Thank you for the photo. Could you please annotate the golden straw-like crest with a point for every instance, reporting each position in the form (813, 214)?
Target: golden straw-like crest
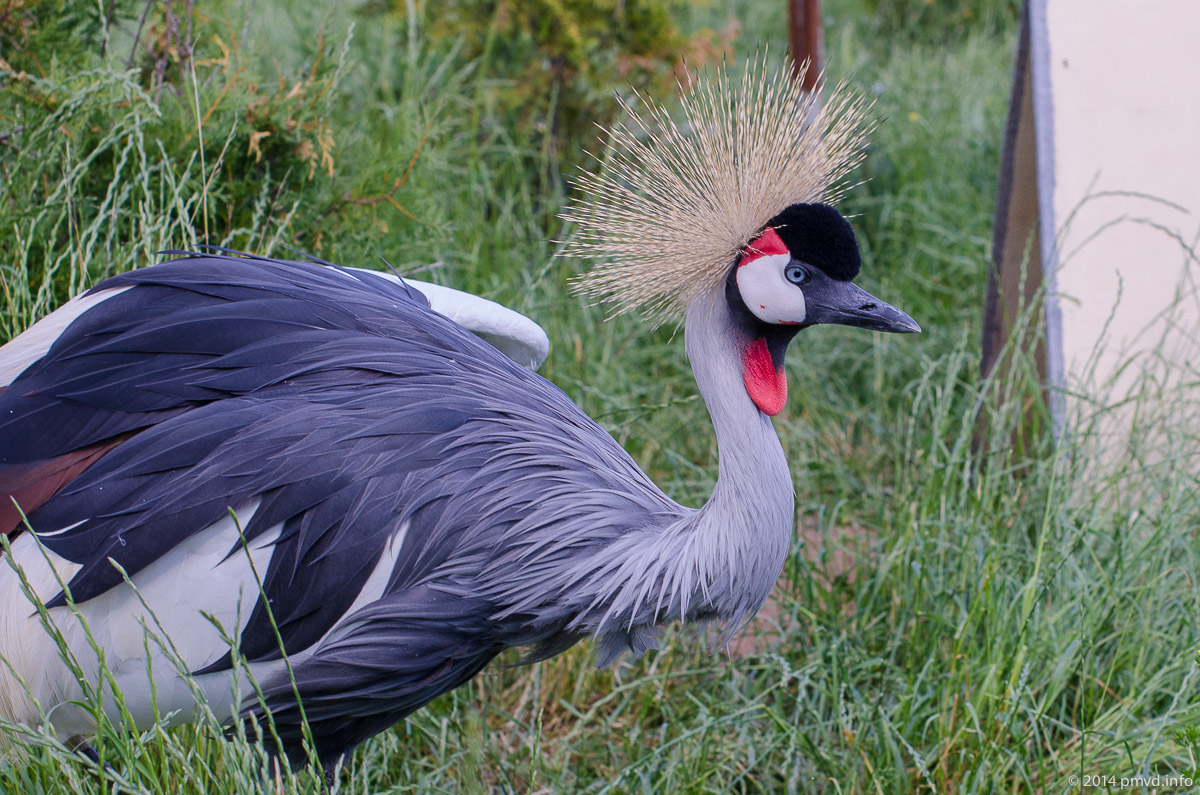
(677, 202)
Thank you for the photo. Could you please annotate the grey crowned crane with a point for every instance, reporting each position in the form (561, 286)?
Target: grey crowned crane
(413, 500)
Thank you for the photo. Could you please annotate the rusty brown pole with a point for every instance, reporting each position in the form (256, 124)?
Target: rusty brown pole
(804, 34)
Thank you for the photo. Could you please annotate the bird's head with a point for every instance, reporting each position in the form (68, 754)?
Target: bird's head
(733, 202)
(797, 273)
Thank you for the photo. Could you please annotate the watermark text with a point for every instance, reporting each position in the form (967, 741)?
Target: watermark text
(1158, 781)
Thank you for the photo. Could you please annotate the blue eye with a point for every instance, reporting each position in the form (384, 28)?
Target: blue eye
(795, 274)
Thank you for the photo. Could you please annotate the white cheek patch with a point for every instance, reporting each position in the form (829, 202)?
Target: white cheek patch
(768, 293)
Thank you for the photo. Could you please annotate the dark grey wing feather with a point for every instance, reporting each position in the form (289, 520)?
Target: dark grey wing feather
(391, 659)
(344, 408)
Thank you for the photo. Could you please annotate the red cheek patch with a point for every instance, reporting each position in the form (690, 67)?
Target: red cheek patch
(766, 386)
(765, 245)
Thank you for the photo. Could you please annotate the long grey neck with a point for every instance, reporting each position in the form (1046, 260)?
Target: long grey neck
(748, 522)
(720, 561)
(750, 459)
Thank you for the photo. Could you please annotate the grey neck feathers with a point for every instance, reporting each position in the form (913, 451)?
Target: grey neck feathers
(722, 560)
(748, 522)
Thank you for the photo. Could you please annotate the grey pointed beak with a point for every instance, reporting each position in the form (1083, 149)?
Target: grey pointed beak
(847, 304)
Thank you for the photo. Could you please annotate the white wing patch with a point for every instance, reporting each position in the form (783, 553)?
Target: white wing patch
(513, 334)
(176, 596)
(178, 599)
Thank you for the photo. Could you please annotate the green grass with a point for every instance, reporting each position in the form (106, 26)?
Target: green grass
(953, 621)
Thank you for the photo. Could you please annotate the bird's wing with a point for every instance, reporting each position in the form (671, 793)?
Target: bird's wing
(192, 332)
(516, 336)
(338, 405)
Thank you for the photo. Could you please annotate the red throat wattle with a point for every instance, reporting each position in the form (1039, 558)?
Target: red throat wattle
(766, 385)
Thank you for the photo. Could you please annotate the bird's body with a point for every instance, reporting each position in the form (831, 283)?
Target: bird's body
(383, 465)
(292, 457)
